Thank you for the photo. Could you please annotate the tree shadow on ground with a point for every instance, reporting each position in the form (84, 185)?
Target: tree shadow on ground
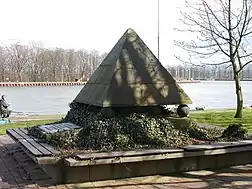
(234, 177)
(17, 169)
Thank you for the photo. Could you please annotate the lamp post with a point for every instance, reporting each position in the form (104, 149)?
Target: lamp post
(158, 30)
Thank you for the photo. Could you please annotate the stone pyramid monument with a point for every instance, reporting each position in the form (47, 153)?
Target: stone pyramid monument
(131, 76)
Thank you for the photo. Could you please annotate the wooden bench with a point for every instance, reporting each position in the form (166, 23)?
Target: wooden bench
(41, 153)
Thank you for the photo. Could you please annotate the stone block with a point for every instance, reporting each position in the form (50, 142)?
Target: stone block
(180, 122)
(125, 170)
(207, 162)
(55, 171)
(167, 166)
(232, 159)
(187, 164)
(101, 172)
(225, 160)
(76, 174)
(146, 168)
(243, 158)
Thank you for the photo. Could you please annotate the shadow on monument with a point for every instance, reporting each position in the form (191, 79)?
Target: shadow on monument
(143, 86)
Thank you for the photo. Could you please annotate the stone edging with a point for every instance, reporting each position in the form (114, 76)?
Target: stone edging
(190, 158)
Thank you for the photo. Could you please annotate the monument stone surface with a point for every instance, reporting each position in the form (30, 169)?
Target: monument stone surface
(131, 76)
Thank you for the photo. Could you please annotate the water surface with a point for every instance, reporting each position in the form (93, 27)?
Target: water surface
(55, 99)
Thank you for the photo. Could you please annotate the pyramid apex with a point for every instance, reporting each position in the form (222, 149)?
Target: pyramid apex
(130, 30)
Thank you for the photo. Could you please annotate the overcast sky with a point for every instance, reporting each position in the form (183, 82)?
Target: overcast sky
(89, 24)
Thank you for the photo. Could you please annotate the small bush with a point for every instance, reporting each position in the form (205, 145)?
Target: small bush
(234, 131)
(203, 133)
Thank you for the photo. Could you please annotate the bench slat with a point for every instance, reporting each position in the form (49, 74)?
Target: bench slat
(22, 132)
(13, 134)
(39, 147)
(49, 148)
(99, 155)
(34, 142)
(30, 148)
(25, 130)
(46, 146)
(18, 131)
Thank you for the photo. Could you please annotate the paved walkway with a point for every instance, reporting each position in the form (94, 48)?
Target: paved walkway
(20, 172)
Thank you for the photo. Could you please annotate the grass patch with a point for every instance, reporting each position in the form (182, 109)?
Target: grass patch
(223, 118)
(23, 124)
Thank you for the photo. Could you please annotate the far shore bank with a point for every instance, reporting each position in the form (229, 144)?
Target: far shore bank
(17, 118)
(31, 84)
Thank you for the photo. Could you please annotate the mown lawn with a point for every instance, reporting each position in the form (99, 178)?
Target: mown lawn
(213, 117)
(223, 118)
(4, 127)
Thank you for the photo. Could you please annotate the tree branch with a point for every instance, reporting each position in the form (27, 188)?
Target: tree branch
(243, 27)
(210, 25)
(214, 15)
(244, 65)
(202, 63)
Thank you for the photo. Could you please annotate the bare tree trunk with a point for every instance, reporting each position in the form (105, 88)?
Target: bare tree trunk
(20, 78)
(239, 96)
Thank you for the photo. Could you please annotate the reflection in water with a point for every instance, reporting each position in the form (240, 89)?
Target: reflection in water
(54, 100)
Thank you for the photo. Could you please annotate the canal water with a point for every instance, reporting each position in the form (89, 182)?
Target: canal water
(55, 99)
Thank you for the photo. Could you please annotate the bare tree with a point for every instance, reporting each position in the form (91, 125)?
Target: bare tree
(35, 63)
(69, 64)
(221, 29)
(19, 58)
(3, 63)
(94, 60)
(82, 61)
(56, 68)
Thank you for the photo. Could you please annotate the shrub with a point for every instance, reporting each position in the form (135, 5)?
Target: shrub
(120, 132)
(234, 131)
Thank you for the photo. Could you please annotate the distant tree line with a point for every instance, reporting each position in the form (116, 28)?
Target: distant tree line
(33, 63)
(221, 72)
